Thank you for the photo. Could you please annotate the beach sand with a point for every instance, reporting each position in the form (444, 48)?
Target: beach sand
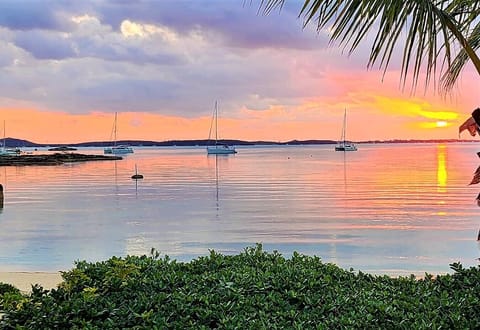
(24, 280)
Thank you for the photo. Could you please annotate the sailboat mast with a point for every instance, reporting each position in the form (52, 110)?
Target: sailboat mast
(216, 123)
(115, 130)
(344, 125)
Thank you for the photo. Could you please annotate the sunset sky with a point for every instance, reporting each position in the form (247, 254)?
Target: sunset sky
(68, 66)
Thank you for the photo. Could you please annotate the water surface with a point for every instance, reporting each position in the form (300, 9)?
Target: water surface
(387, 209)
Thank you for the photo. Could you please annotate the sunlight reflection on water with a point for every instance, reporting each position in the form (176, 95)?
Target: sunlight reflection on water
(387, 208)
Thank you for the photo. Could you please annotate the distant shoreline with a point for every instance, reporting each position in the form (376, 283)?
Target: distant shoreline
(19, 143)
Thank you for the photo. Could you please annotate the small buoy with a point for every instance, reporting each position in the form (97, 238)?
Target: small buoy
(136, 175)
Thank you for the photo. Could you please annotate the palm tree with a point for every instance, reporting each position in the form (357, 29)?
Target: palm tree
(434, 32)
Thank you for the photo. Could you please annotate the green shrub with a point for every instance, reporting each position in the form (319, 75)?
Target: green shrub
(9, 296)
(5, 287)
(253, 289)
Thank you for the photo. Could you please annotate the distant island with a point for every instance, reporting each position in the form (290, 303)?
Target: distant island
(13, 142)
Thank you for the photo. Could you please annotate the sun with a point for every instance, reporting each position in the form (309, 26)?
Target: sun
(441, 123)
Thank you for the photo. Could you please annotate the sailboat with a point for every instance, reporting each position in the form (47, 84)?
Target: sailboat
(218, 148)
(344, 145)
(4, 151)
(117, 149)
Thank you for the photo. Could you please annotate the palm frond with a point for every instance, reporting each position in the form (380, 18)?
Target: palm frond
(452, 73)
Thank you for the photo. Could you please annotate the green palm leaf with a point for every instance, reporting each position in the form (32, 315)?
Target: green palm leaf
(451, 75)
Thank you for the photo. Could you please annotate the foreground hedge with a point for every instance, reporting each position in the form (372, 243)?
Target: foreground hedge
(254, 289)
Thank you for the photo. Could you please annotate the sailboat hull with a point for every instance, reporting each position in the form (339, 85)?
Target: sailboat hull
(346, 147)
(118, 150)
(10, 151)
(221, 150)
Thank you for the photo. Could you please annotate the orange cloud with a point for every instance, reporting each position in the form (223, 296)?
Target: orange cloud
(414, 108)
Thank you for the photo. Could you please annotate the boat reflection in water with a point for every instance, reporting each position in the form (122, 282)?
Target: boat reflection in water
(220, 160)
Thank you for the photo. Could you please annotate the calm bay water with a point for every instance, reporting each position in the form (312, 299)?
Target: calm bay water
(393, 209)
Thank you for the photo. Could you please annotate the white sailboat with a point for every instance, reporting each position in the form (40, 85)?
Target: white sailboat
(117, 149)
(344, 145)
(4, 151)
(218, 148)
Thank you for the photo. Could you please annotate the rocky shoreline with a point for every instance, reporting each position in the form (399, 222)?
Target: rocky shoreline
(52, 159)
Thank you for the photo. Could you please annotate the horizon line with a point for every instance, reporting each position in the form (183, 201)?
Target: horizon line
(16, 142)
